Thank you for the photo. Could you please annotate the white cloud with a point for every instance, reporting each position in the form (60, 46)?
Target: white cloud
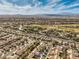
(70, 6)
(9, 8)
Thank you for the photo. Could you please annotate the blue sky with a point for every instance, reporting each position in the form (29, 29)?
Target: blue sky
(32, 7)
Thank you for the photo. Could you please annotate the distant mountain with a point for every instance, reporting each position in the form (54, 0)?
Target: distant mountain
(62, 14)
(56, 15)
(69, 14)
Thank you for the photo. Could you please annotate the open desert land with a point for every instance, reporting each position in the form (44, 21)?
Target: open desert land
(33, 37)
